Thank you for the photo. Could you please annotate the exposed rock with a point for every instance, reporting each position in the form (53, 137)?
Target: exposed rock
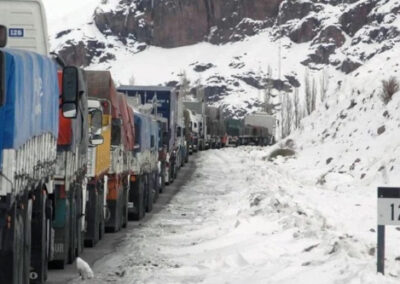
(183, 22)
(293, 81)
(306, 31)
(83, 53)
(321, 54)
(349, 66)
(381, 129)
(107, 57)
(63, 33)
(214, 93)
(294, 9)
(281, 152)
(331, 34)
(203, 67)
(382, 33)
(356, 17)
(261, 83)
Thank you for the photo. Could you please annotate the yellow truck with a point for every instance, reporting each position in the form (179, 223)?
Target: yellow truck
(99, 163)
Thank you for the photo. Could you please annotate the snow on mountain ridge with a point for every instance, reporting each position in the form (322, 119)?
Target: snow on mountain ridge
(323, 35)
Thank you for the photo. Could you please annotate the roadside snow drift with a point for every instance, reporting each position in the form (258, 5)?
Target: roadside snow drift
(245, 219)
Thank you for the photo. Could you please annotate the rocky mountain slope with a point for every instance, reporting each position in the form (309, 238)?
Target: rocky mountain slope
(235, 49)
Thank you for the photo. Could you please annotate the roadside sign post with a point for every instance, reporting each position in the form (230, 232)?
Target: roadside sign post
(388, 214)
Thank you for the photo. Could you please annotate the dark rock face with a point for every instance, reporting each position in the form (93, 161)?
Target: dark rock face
(82, 54)
(214, 93)
(183, 22)
(331, 34)
(306, 31)
(321, 54)
(349, 66)
(203, 67)
(355, 18)
(293, 9)
(75, 54)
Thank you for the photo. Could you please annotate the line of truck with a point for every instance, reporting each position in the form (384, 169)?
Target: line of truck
(80, 156)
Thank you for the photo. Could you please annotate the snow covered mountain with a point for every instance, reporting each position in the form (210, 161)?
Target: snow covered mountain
(227, 46)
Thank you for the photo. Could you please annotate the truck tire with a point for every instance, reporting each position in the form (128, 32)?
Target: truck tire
(92, 216)
(39, 254)
(125, 205)
(27, 240)
(72, 227)
(137, 195)
(162, 177)
(149, 193)
(20, 249)
(79, 217)
(156, 185)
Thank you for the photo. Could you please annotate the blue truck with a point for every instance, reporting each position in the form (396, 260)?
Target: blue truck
(167, 107)
(145, 166)
(29, 108)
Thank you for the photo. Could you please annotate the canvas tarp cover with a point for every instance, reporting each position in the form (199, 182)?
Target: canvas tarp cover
(31, 103)
(143, 131)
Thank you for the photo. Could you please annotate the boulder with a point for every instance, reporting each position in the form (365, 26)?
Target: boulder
(305, 31)
(353, 19)
(294, 9)
(331, 34)
(349, 66)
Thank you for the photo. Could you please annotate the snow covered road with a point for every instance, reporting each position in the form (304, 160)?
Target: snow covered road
(243, 219)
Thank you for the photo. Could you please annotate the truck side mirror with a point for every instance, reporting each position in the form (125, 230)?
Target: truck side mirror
(2, 79)
(70, 91)
(97, 120)
(3, 36)
(96, 140)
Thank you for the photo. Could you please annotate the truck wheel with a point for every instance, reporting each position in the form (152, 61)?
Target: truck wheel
(72, 226)
(150, 194)
(39, 254)
(162, 178)
(79, 217)
(19, 240)
(138, 198)
(125, 207)
(92, 215)
(27, 240)
(156, 186)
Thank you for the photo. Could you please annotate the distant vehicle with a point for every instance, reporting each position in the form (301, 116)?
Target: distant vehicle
(216, 127)
(259, 129)
(232, 141)
(145, 165)
(198, 123)
(166, 99)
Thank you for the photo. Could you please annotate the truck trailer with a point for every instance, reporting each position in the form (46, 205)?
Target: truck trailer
(166, 99)
(29, 121)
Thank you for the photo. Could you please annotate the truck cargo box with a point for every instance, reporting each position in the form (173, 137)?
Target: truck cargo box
(31, 99)
(127, 127)
(143, 131)
(166, 104)
(261, 119)
(26, 24)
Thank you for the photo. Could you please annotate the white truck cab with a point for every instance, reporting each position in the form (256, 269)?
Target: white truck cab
(26, 24)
